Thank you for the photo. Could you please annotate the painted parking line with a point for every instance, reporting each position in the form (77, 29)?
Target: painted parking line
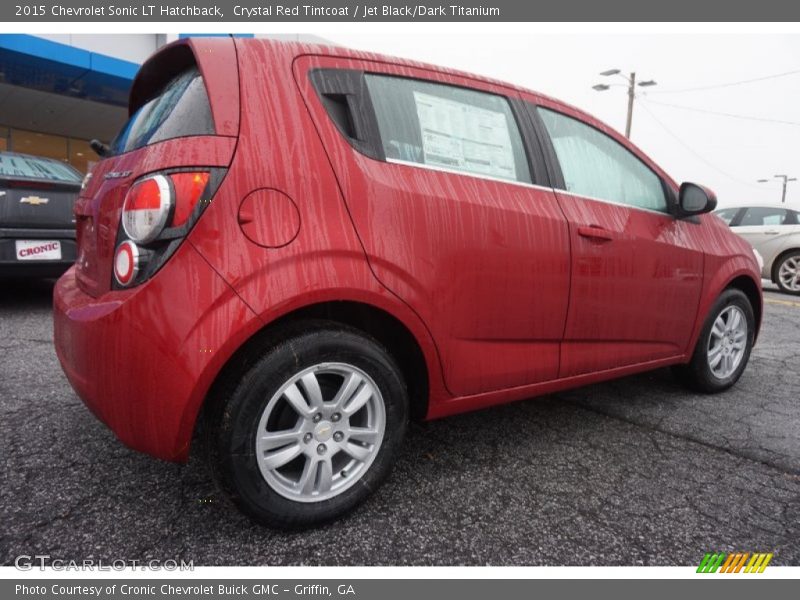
(782, 302)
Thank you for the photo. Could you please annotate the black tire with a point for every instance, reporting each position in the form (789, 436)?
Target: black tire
(795, 255)
(697, 375)
(234, 418)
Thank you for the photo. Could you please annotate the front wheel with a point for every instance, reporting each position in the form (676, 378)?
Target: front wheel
(788, 273)
(311, 429)
(724, 345)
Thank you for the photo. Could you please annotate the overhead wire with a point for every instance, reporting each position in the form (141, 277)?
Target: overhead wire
(728, 84)
(720, 113)
(693, 151)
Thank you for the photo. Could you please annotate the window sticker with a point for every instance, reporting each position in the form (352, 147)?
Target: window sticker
(465, 137)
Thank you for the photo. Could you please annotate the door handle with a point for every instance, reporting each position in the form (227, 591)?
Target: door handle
(772, 232)
(595, 232)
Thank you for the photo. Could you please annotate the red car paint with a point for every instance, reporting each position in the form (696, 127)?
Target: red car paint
(509, 290)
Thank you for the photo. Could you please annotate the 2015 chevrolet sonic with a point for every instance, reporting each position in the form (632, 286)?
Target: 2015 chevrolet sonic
(310, 246)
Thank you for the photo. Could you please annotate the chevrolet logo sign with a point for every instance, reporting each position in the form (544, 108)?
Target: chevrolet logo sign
(34, 200)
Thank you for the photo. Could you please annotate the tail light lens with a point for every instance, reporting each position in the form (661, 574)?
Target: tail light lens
(126, 263)
(158, 212)
(147, 209)
(189, 189)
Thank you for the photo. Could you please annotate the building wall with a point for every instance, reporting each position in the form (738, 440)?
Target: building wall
(58, 125)
(133, 47)
(136, 47)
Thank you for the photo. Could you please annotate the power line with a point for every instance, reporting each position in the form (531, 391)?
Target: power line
(729, 84)
(724, 114)
(693, 151)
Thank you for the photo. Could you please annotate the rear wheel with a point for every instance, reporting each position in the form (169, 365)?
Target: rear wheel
(724, 346)
(311, 429)
(787, 273)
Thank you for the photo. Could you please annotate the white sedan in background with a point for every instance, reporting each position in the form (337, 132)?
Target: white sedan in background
(774, 231)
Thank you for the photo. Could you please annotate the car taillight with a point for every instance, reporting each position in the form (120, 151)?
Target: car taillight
(147, 209)
(126, 263)
(161, 201)
(189, 188)
(157, 213)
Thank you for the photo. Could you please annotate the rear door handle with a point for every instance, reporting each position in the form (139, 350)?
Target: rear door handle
(595, 232)
(772, 232)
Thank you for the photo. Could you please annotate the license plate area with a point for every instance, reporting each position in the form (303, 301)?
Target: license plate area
(38, 249)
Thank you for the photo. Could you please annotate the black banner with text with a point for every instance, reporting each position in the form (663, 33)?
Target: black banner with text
(263, 11)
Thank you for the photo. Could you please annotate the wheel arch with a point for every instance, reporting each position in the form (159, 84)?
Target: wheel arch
(752, 290)
(739, 272)
(773, 271)
(389, 330)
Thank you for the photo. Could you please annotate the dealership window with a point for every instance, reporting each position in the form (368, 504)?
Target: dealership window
(595, 165)
(448, 127)
(73, 151)
(81, 156)
(39, 144)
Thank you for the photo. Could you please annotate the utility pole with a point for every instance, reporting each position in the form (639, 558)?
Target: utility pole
(785, 180)
(631, 85)
(631, 95)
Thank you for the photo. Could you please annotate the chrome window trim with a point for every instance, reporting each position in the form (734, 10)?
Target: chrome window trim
(664, 212)
(411, 163)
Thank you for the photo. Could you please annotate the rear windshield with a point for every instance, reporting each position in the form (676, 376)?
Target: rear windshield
(180, 109)
(14, 166)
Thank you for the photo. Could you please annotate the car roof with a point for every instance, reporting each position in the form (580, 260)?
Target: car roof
(295, 50)
(306, 48)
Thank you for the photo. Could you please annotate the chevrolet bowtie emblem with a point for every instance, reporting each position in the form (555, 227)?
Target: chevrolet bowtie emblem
(34, 200)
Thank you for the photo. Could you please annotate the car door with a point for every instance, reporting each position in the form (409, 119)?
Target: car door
(448, 206)
(766, 228)
(636, 271)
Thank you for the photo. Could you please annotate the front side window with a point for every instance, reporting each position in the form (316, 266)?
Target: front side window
(727, 214)
(595, 165)
(757, 216)
(448, 127)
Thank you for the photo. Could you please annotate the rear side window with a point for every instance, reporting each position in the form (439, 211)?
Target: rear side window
(179, 109)
(595, 165)
(448, 127)
(20, 166)
(763, 215)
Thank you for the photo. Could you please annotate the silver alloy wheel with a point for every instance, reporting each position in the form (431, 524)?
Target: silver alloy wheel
(789, 273)
(320, 432)
(727, 342)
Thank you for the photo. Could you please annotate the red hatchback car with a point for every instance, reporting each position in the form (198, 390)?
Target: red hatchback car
(309, 246)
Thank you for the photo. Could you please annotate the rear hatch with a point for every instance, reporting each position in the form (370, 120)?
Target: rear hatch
(183, 113)
(37, 193)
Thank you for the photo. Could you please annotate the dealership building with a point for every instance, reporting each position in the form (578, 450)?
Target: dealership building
(57, 92)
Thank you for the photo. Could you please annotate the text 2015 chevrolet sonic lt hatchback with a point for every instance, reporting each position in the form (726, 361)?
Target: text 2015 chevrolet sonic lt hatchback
(309, 246)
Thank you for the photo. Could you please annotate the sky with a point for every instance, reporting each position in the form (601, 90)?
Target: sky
(724, 153)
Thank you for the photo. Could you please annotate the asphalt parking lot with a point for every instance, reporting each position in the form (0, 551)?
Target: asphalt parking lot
(631, 472)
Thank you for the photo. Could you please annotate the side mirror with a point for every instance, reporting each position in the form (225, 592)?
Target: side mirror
(695, 199)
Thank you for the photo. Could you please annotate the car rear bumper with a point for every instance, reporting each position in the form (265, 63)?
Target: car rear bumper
(11, 266)
(143, 359)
